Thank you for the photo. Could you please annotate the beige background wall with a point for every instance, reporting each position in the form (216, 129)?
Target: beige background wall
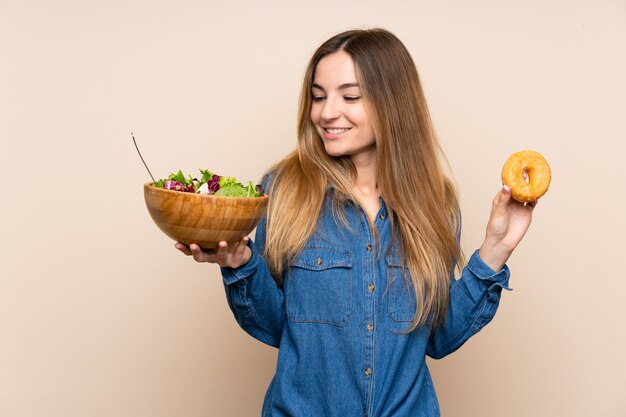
(101, 316)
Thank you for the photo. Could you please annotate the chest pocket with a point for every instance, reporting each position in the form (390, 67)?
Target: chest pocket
(318, 287)
(401, 298)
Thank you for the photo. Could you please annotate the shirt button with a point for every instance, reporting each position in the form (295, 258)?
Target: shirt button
(371, 287)
(370, 326)
(368, 372)
(318, 261)
(368, 248)
(382, 216)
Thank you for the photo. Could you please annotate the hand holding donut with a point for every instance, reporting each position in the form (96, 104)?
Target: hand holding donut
(526, 177)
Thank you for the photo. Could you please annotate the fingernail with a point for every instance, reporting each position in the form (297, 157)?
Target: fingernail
(506, 188)
(222, 244)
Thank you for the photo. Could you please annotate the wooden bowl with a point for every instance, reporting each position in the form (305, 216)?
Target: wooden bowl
(203, 219)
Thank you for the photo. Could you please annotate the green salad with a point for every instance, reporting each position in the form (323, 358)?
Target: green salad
(209, 183)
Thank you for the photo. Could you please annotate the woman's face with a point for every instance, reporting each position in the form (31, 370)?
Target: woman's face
(338, 112)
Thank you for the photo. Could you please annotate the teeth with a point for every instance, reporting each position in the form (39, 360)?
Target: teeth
(336, 131)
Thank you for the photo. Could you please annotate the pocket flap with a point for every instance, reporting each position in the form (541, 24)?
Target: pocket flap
(318, 258)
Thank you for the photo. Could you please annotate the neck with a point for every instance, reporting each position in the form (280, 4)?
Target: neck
(366, 173)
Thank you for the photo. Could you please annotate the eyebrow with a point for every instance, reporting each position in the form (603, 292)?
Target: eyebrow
(341, 87)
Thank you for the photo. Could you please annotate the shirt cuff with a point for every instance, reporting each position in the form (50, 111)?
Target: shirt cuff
(484, 273)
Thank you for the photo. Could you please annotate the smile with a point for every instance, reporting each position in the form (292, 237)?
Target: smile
(336, 130)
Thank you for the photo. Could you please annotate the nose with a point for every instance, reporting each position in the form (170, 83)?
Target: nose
(331, 109)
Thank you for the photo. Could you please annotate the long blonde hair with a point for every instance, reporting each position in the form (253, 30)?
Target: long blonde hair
(421, 199)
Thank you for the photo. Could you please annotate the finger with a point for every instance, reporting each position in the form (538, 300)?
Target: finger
(244, 242)
(195, 250)
(183, 248)
(501, 201)
(221, 255)
(200, 255)
(241, 248)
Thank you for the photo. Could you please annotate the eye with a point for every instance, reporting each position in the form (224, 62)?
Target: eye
(351, 98)
(317, 98)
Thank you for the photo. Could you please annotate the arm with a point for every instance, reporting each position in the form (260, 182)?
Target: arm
(252, 294)
(474, 298)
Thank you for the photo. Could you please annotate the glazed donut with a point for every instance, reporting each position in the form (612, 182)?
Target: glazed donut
(537, 179)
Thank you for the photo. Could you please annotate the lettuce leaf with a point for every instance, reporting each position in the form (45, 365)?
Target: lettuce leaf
(228, 181)
(206, 175)
(238, 190)
(179, 176)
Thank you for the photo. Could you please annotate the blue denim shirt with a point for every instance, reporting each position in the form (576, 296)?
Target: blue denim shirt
(337, 321)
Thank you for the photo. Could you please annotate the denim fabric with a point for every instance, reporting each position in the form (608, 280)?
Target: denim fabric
(337, 321)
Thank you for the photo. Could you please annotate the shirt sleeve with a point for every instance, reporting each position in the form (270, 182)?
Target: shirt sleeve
(253, 295)
(474, 299)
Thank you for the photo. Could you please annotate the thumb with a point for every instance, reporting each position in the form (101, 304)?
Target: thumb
(501, 201)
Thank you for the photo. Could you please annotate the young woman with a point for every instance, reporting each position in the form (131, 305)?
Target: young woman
(351, 274)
